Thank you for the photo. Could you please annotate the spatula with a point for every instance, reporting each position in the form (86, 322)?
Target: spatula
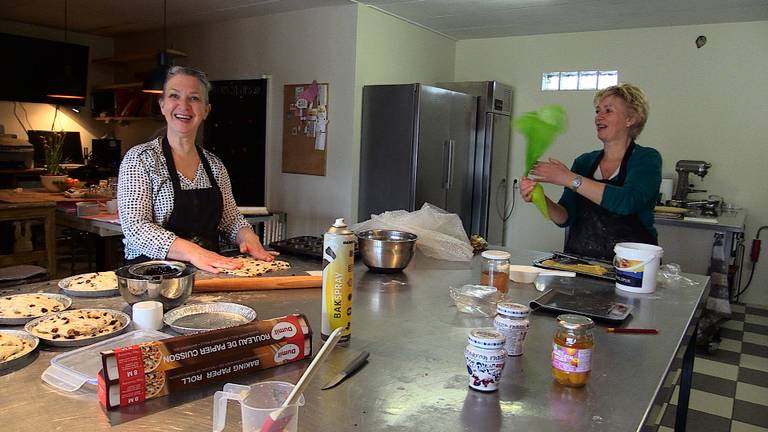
(279, 419)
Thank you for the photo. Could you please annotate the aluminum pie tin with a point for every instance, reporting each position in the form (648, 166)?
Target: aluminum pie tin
(124, 319)
(64, 286)
(21, 360)
(202, 317)
(61, 298)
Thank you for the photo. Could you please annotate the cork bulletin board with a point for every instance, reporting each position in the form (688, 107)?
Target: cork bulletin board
(305, 128)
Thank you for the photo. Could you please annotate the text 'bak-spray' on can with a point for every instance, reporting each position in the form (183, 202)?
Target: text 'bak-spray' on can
(338, 260)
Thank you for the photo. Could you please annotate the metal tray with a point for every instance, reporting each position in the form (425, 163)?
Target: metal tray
(9, 364)
(64, 286)
(201, 317)
(601, 305)
(61, 298)
(575, 259)
(124, 319)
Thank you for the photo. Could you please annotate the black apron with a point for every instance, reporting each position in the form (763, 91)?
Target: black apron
(196, 212)
(596, 229)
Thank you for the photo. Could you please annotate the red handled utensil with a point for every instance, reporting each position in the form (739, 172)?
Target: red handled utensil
(279, 418)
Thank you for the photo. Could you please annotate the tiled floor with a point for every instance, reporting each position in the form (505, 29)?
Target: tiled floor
(730, 386)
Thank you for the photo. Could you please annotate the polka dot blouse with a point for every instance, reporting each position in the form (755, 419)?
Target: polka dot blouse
(145, 200)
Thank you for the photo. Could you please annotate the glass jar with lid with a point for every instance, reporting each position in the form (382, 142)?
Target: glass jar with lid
(485, 357)
(572, 350)
(495, 269)
(512, 321)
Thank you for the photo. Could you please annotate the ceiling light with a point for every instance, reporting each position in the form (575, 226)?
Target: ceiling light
(156, 79)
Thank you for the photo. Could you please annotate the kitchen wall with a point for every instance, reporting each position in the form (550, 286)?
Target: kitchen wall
(291, 48)
(40, 116)
(392, 51)
(707, 104)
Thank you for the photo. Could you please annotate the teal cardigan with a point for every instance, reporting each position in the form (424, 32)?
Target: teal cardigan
(637, 196)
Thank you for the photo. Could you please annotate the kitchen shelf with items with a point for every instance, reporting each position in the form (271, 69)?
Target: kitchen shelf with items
(125, 101)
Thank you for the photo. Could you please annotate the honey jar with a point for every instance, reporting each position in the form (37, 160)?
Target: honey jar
(495, 269)
(572, 350)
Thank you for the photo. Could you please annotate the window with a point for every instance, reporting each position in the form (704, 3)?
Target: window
(578, 80)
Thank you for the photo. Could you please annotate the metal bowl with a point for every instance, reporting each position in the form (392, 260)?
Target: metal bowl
(171, 284)
(386, 251)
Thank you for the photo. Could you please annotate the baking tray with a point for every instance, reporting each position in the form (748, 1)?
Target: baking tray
(201, 317)
(70, 370)
(576, 259)
(64, 300)
(124, 319)
(64, 286)
(599, 304)
(33, 340)
(308, 246)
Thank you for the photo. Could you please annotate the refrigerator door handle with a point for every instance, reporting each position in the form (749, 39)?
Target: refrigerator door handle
(446, 163)
(449, 170)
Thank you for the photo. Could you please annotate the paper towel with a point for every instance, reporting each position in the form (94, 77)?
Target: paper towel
(665, 190)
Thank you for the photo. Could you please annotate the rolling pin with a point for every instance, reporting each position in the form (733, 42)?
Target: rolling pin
(257, 283)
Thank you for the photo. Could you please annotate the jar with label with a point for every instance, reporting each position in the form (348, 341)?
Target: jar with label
(495, 269)
(485, 357)
(572, 350)
(512, 321)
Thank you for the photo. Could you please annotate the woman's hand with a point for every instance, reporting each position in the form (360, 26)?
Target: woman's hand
(200, 257)
(526, 188)
(250, 244)
(552, 171)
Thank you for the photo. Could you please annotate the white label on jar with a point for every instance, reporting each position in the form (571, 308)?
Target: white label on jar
(484, 367)
(515, 331)
(571, 359)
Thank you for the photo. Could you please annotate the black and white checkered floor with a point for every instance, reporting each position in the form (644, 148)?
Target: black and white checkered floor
(730, 386)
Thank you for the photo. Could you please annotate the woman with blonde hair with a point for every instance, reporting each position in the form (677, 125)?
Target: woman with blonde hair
(610, 193)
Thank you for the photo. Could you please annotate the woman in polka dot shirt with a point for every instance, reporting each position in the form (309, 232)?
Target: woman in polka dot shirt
(174, 197)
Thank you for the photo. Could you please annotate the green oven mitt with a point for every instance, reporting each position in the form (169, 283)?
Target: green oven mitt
(540, 129)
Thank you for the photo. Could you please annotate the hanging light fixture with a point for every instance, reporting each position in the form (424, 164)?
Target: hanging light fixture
(65, 91)
(156, 79)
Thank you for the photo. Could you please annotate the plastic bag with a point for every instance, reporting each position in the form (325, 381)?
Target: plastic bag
(669, 276)
(478, 300)
(441, 234)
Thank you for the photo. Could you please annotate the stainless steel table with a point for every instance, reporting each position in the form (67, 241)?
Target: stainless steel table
(416, 378)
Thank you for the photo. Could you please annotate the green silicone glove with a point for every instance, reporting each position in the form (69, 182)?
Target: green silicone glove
(540, 129)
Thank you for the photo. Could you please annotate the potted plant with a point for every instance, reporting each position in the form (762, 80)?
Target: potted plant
(54, 180)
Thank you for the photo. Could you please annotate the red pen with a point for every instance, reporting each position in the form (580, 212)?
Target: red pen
(632, 330)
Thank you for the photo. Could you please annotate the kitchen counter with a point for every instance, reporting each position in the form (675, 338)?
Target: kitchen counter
(416, 377)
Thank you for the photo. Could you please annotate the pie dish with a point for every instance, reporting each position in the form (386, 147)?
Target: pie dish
(17, 309)
(98, 284)
(15, 347)
(78, 327)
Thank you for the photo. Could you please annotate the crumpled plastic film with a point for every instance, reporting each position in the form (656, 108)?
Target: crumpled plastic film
(440, 234)
(669, 276)
(477, 300)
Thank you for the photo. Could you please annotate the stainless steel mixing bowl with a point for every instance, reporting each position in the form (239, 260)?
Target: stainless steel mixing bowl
(169, 282)
(386, 251)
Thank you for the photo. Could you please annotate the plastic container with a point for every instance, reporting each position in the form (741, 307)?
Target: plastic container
(572, 350)
(485, 357)
(512, 321)
(495, 269)
(636, 266)
(69, 371)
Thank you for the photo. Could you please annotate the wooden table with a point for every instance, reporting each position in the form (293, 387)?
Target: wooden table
(45, 211)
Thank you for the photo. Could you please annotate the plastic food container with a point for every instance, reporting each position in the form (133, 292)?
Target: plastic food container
(69, 371)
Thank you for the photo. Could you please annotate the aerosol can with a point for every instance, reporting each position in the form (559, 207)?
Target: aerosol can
(338, 260)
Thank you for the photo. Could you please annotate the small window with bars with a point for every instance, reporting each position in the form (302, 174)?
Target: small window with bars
(578, 80)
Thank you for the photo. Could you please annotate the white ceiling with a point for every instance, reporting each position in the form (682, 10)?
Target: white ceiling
(459, 19)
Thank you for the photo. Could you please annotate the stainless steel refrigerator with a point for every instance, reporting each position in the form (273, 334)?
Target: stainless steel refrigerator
(417, 146)
(491, 164)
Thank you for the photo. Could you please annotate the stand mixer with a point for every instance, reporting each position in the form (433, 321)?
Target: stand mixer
(683, 168)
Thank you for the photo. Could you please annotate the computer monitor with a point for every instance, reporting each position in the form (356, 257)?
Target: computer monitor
(72, 153)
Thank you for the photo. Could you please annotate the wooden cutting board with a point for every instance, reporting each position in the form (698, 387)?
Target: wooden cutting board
(257, 283)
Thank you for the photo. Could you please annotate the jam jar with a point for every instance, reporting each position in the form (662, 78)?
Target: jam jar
(512, 321)
(572, 350)
(485, 357)
(495, 269)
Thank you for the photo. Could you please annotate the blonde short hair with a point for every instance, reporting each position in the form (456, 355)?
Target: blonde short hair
(635, 100)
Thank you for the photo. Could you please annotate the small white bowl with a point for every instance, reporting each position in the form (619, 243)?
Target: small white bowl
(523, 273)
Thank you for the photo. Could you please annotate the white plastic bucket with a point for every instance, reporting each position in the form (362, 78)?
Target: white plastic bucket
(636, 266)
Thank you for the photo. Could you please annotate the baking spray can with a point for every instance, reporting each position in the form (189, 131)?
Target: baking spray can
(338, 260)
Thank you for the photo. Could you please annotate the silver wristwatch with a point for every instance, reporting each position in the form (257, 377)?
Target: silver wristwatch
(576, 183)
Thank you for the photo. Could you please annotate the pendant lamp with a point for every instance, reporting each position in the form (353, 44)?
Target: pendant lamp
(64, 89)
(156, 79)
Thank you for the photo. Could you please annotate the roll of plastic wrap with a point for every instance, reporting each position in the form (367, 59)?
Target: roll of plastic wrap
(665, 189)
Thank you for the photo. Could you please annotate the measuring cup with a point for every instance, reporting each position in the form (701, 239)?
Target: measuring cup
(256, 403)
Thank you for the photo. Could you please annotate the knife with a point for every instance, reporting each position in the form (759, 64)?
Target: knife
(353, 366)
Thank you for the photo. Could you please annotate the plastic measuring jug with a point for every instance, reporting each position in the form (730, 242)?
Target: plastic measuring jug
(256, 403)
